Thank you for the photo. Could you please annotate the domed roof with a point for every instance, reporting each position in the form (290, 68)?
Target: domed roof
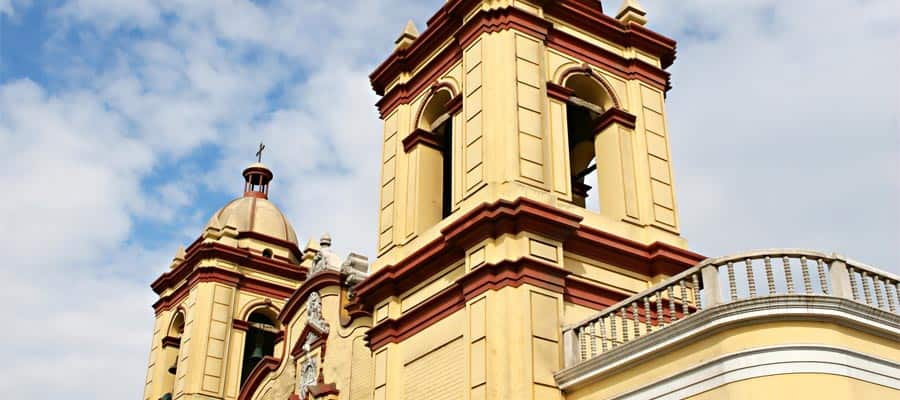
(254, 214)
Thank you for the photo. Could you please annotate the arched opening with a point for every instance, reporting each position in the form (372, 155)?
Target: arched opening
(171, 345)
(267, 253)
(588, 102)
(259, 341)
(437, 119)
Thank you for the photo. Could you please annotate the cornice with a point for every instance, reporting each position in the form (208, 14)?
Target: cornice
(423, 137)
(614, 116)
(200, 251)
(227, 277)
(492, 220)
(490, 277)
(448, 24)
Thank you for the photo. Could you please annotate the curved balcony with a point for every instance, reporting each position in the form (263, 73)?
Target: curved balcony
(721, 293)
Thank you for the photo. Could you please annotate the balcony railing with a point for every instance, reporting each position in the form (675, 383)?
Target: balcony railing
(724, 280)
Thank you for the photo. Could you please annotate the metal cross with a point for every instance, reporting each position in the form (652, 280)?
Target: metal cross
(259, 152)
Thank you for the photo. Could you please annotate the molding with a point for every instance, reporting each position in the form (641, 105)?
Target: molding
(797, 307)
(322, 390)
(227, 277)
(423, 137)
(265, 366)
(321, 341)
(768, 361)
(585, 69)
(614, 116)
(171, 341)
(490, 277)
(448, 23)
(492, 220)
(240, 325)
(201, 251)
(559, 92)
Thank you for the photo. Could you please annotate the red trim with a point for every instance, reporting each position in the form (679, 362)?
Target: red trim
(585, 69)
(423, 137)
(558, 92)
(297, 350)
(614, 116)
(243, 257)
(323, 389)
(316, 282)
(455, 104)
(265, 366)
(240, 325)
(447, 23)
(491, 277)
(231, 278)
(171, 341)
(502, 217)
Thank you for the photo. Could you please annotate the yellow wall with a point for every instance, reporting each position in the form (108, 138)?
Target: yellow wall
(798, 386)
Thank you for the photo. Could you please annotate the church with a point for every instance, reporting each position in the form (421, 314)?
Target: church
(528, 248)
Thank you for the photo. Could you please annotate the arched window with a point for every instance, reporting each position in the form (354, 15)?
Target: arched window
(171, 344)
(437, 119)
(259, 341)
(588, 102)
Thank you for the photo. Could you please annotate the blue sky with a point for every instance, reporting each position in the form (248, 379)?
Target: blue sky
(125, 124)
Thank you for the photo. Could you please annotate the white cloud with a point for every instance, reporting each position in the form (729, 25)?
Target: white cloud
(784, 130)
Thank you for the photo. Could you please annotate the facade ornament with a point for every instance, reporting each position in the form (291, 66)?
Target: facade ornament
(314, 312)
(308, 376)
(632, 11)
(325, 258)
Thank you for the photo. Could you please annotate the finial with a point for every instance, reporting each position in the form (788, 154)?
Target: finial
(631, 11)
(259, 152)
(325, 241)
(407, 37)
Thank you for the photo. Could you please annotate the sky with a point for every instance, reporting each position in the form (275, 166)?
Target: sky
(125, 124)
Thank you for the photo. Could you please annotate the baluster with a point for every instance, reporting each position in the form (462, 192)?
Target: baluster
(602, 335)
(865, 286)
(624, 312)
(582, 343)
(659, 310)
(853, 280)
(732, 284)
(593, 339)
(770, 277)
(751, 282)
(647, 323)
(637, 320)
(684, 299)
(892, 298)
(613, 337)
(672, 316)
(696, 281)
(807, 283)
(876, 282)
(788, 275)
(823, 281)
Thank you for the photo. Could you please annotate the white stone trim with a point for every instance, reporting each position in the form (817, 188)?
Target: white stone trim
(728, 316)
(777, 360)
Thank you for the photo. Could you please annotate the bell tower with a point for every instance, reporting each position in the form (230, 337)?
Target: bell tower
(526, 183)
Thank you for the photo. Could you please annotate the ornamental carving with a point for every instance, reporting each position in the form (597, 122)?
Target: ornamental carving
(308, 376)
(314, 312)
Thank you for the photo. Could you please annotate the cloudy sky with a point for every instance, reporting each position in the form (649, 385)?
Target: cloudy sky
(125, 124)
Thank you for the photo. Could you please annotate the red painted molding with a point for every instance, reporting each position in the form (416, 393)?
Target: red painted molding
(614, 116)
(319, 280)
(558, 92)
(502, 217)
(448, 23)
(491, 277)
(423, 137)
(455, 104)
(243, 257)
(298, 351)
(266, 366)
(240, 325)
(230, 278)
(323, 389)
(171, 341)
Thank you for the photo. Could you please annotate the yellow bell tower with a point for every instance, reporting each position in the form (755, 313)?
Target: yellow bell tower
(526, 183)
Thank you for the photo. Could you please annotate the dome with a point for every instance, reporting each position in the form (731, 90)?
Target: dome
(254, 214)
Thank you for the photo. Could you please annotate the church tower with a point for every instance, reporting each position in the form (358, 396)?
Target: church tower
(216, 317)
(526, 183)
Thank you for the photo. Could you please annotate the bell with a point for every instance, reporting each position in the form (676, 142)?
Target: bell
(174, 367)
(257, 353)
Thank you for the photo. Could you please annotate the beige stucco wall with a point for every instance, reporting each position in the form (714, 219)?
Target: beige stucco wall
(798, 386)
